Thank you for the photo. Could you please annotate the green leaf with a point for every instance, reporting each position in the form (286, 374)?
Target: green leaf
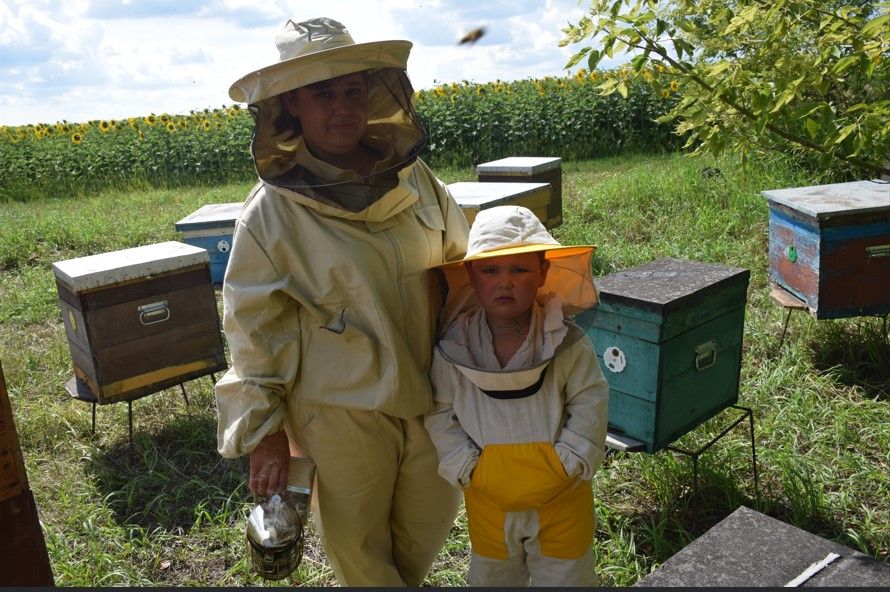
(812, 127)
(639, 61)
(786, 96)
(845, 63)
(622, 89)
(608, 87)
(593, 59)
(844, 132)
(876, 26)
(578, 56)
(685, 24)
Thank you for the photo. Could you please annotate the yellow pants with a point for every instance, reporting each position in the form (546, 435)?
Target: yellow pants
(383, 510)
(529, 522)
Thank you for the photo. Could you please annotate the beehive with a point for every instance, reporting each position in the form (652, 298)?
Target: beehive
(211, 227)
(529, 169)
(24, 560)
(668, 335)
(829, 245)
(140, 320)
(473, 197)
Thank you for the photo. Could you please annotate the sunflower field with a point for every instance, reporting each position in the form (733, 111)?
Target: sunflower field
(467, 123)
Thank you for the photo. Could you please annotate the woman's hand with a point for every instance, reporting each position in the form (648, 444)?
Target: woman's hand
(268, 464)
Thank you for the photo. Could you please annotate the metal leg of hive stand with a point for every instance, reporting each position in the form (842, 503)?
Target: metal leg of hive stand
(695, 454)
(212, 384)
(784, 329)
(184, 396)
(93, 430)
(130, 424)
(753, 453)
(789, 301)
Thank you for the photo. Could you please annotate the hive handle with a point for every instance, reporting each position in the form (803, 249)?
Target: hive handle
(705, 355)
(154, 313)
(878, 251)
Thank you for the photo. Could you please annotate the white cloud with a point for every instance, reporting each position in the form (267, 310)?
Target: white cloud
(99, 59)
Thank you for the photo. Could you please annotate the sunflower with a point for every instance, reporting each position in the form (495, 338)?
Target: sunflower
(594, 76)
(647, 75)
(205, 125)
(104, 126)
(171, 127)
(665, 93)
(76, 138)
(150, 119)
(675, 85)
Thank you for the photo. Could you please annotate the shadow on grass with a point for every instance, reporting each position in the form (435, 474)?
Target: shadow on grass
(856, 353)
(662, 531)
(174, 479)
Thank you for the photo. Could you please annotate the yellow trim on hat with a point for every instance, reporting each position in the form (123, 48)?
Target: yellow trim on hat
(550, 252)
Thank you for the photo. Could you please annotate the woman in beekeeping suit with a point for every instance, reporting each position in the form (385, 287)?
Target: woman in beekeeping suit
(328, 308)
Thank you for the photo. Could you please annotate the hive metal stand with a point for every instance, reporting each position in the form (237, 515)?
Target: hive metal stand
(621, 442)
(695, 454)
(790, 302)
(79, 390)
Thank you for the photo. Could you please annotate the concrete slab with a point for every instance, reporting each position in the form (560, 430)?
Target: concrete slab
(748, 549)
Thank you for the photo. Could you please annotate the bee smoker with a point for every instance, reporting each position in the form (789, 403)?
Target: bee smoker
(275, 526)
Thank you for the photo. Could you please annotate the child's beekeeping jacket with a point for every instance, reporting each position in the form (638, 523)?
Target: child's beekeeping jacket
(525, 437)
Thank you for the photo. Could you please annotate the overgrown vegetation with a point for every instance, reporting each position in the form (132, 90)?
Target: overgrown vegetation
(173, 512)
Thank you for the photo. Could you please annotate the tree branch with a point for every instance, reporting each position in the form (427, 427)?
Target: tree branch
(747, 113)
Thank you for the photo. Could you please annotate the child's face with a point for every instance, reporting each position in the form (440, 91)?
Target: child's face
(506, 286)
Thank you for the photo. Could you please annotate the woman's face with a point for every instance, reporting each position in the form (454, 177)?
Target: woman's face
(333, 114)
(507, 286)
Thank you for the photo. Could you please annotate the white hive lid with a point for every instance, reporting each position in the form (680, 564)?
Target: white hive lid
(519, 165)
(822, 201)
(104, 269)
(475, 194)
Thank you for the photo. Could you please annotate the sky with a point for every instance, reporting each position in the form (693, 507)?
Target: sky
(83, 60)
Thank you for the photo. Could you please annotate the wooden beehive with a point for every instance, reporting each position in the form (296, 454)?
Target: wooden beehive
(139, 320)
(669, 338)
(24, 560)
(529, 169)
(829, 245)
(211, 227)
(473, 197)
(13, 480)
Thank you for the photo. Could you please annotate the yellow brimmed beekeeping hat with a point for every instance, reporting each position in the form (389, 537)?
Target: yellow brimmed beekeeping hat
(511, 230)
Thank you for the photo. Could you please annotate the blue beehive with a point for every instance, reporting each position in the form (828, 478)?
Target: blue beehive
(211, 227)
(829, 245)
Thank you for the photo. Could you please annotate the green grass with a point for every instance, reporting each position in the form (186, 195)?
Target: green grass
(173, 513)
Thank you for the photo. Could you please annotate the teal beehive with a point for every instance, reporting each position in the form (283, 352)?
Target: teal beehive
(668, 335)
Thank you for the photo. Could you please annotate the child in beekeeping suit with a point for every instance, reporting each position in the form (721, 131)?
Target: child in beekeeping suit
(520, 411)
